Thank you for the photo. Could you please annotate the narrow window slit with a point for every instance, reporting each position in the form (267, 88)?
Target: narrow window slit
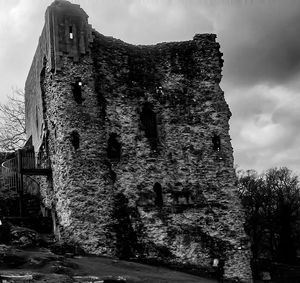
(148, 119)
(77, 91)
(75, 139)
(158, 194)
(36, 117)
(113, 147)
(216, 141)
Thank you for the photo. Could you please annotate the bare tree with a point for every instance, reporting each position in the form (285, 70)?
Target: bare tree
(12, 122)
(272, 203)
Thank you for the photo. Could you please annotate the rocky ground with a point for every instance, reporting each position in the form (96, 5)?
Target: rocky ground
(42, 265)
(32, 257)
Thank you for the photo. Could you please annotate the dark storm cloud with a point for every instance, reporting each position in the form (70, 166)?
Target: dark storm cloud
(261, 45)
(261, 42)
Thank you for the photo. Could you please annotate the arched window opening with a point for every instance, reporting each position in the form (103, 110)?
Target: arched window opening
(216, 141)
(158, 194)
(148, 119)
(77, 91)
(75, 139)
(113, 147)
(71, 32)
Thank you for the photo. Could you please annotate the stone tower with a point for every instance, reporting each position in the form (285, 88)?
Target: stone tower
(137, 136)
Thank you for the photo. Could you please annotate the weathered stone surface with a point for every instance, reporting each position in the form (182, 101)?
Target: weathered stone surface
(140, 150)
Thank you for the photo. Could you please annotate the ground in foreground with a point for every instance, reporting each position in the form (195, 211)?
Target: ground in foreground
(41, 265)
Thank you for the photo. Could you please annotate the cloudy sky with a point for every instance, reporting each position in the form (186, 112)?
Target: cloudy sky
(260, 40)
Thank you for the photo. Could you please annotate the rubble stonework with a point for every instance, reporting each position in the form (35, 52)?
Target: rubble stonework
(138, 139)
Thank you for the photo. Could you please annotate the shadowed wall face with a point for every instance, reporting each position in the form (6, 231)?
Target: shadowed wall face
(145, 126)
(176, 166)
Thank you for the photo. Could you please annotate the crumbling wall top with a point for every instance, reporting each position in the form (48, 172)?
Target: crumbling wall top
(67, 32)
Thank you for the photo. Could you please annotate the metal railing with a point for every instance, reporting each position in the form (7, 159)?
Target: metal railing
(31, 160)
(17, 174)
(10, 174)
(25, 163)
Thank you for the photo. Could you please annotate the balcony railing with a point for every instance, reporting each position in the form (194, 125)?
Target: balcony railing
(24, 164)
(31, 163)
(10, 174)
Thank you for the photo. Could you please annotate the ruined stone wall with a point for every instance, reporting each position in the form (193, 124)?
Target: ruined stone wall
(82, 188)
(200, 216)
(140, 151)
(61, 20)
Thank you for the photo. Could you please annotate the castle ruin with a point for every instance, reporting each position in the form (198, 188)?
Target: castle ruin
(139, 146)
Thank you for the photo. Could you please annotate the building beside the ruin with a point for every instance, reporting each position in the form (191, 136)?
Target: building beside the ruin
(139, 146)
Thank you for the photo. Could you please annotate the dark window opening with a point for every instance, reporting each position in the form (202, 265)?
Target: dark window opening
(71, 32)
(75, 139)
(113, 175)
(113, 147)
(158, 194)
(36, 117)
(216, 141)
(148, 119)
(77, 89)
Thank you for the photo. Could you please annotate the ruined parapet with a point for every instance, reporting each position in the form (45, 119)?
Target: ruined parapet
(66, 34)
(67, 31)
(138, 138)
